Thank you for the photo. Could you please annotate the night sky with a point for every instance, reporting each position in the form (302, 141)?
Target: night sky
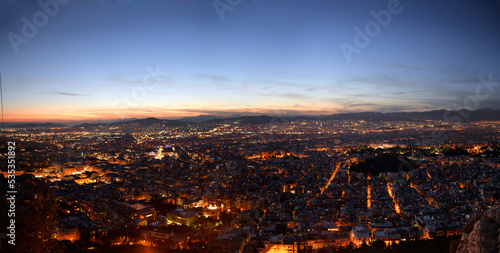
(93, 60)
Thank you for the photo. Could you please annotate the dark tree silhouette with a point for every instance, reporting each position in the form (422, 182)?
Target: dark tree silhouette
(36, 219)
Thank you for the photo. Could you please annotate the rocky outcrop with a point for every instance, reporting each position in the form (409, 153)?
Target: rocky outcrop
(485, 237)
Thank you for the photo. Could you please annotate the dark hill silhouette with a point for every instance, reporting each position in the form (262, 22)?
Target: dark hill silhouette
(443, 115)
(197, 119)
(141, 122)
(438, 115)
(34, 125)
(256, 120)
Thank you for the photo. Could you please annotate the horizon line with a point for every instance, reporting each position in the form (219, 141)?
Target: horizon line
(235, 115)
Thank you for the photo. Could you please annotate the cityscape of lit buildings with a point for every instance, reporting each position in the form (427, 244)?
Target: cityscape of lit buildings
(274, 187)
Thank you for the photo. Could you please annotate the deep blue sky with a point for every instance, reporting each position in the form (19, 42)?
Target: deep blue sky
(278, 57)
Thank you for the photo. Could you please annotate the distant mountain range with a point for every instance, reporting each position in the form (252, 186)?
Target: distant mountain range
(439, 115)
(139, 122)
(198, 119)
(33, 125)
(151, 121)
(443, 115)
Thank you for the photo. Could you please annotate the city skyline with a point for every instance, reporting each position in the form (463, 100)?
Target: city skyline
(235, 186)
(93, 61)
